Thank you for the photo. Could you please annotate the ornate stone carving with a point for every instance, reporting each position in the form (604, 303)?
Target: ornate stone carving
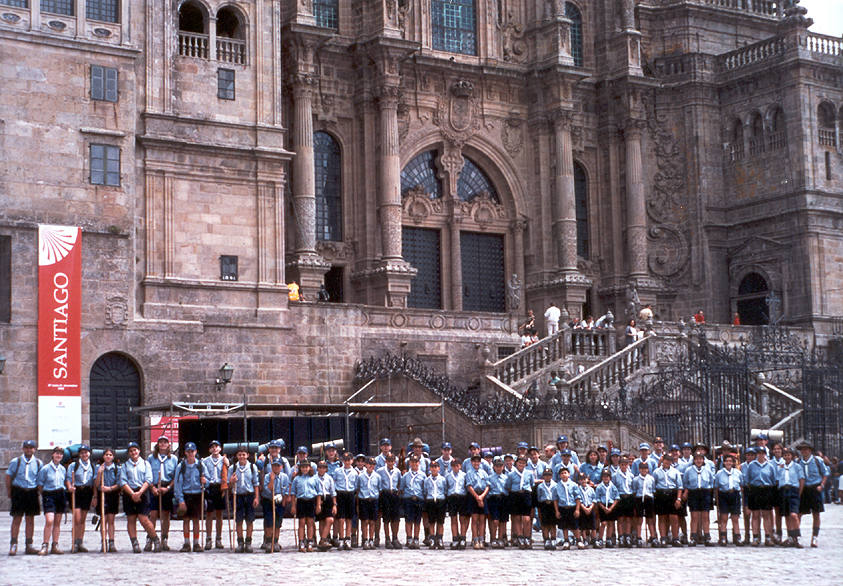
(482, 209)
(512, 135)
(417, 204)
(668, 250)
(512, 34)
(403, 120)
(332, 250)
(458, 116)
(116, 311)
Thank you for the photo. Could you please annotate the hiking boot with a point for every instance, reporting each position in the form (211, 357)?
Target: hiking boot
(45, 549)
(309, 546)
(197, 547)
(55, 549)
(148, 545)
(208, 544)
(136, 548)
(111, 547)
(80, 548)
(302, 547)
(156, 545)
(30, 549)
(13, 548)
(218, 544)
(396, 543)
(241, 546)
(185, 548)
(164, 546)
(247, 547)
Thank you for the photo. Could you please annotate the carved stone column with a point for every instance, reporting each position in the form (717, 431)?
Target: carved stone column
(636, 205)
(564, 202)
(452, 163)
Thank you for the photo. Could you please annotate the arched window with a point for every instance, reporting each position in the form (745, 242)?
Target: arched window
(64, 7)
(326, 13)
(573, 14)
(231, 36)
(826, 123)
(756, 137)
(736, 147)
(454, 26)
(473, 182)
(327, 159)
(420, 173)
(228, 23)
(778, 136)
(104, 10)
(581, 199)
(752, 300)
(193, 31)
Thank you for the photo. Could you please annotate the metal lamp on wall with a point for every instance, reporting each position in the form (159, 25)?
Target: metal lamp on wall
(224, 377)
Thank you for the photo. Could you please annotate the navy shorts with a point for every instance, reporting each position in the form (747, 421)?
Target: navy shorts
(165, 501)
(457, 505)
(193, 503)
(112, 503)
(367, 509)
(266, 505)
(327, 510)
(644, 508)
(345, 505)
(665, 502)
(475, 508)
(435, 511)
(566, 518)
(214, 500)
(547, 514)
(699, 500)
(811, 500)
(761, 498)
(790, 501)
(24, 502)
(53, 501)
(132, 508)
(496, 505)
(389, 506)
(520, 504)
(84, 496)
(605, 515)
(729, 503)
(413, 510)
(305, 508)
(625, 507)
(245, 507)
(587, 521)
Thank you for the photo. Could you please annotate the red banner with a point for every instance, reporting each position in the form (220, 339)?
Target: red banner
(59, 328)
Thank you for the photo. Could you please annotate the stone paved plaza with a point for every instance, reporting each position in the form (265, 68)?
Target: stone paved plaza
(673, 566)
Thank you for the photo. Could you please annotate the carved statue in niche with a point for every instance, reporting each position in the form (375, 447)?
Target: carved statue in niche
(513, 288)
(512, 136)
(512, 32)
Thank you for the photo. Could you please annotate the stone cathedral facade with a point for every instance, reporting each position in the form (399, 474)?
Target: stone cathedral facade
(412, 156)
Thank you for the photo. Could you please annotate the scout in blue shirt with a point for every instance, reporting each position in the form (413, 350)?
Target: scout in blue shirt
(108, 489)
(275, 494)
(163, 465)
(244, 481)
(496, 504)
(761, 481)
(189, 492)
(389, 502)
(592, 467)
(22, 489)
(586, 514)
(566, 494)
(668, 499)
(457, 504)
(568, 464)
(445, 459)
(332, 459)
(368, 491)
(412, 489)
(727, 493)
(545, 494)
(345, 483)
(623, 479)
(51, 483)
(80, 484)
(606, 495)
(520, 488)
(477, 486)
(135, 479)
(474, 450)
(644, 451)
(385, 448)
(644, 490)
(816, 475)
(307, 499)
(698, 482)
(535, 465)
(328, 510)
(562, 444)
(216, 473)
(435, 493)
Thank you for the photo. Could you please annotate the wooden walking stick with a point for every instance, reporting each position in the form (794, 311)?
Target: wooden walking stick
(272, 535)
(102, 510)
(73, 512)
(234, 513)
(203, 533)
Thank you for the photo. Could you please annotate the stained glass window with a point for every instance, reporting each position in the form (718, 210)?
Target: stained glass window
(326, 154)
(575, 16)
(474, 182)
(105, 10)
(58, 6)
(421, 172)
(581, 199)
(454, 28)
(326, 13)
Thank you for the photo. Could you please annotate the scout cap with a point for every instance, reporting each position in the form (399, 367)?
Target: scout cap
(85, 447)
(561, 438)
(474, 445)
(602, 448)
(189, 447)
(523, 445)
(277, 462)
(417, 443)
(547, 472)
(446, 445)
(566, 452)
(385, 442)
(132, 445)
(301, 450)
(163, 439)
(643, 446)
(58, 449)
(29, 444)
(214, 443)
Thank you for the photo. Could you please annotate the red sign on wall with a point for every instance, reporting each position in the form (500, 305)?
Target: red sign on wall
(59, 328)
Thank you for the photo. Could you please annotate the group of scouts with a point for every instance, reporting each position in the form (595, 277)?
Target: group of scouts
(605, 500)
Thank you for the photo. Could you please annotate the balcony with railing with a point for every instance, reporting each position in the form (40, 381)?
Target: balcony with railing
(193, 45)
(776, 140)
(824, 44)
(754, 53)
(764, 8)
(231, 50)
(828, 137)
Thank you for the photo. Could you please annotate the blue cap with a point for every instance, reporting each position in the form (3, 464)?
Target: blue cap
(301, 450)
(533, 448)
(277, 462)
(751, 450)
(616, 452)
(566, 452)
(214, 443)
(385, 442)
(331, 446)
(132, 445)
(762, 436)
(602, 447)
(686, 445)
(29, 444)
(487, 454)
(189, 446)
(643, 446)
(162, 438)
(523, 445)
(446, 445)
(85, 447)
(510, 456)
(360, 456)
(474, 445)
(674, 447)
(562, 438)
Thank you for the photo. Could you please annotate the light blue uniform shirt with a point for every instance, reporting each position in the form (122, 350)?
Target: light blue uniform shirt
(566, 493)
(790, 475)
(306, 487)
(644, 486)
(497, 483)
(412, 484)
(110, 475)
(213, 469)
(682, 465)
(814, 469)
(623, 482)
(484, 465)
(652, 462)
(758, 474)
(24, 472)
(592, 471)
(368, 485)
(520, 481)
(570, 467)
(328, 486)
(477, 479)
(587, 495)
(166, 465)
(557, 458)
(134, 474)
(390, 479)
(456, 483)
(726, 481)
(544, 491)
(606, 493)
(445, 465)
(380, 461)
(435, 488)
(667, 479)
(697, 478)
(282, 484)
(52, 477)
(248, 478)
(81, 474)
(333, 465)
(424, 464)
(537, 468)
(188, 479)
(345, 479)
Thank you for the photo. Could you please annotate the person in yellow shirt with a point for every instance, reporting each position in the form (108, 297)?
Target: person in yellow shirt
(293, 292)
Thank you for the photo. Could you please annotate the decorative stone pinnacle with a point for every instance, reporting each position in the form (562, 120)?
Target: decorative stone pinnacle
(463, 89)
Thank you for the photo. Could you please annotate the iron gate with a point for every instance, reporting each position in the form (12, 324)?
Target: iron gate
(420, 247)
(482, 272)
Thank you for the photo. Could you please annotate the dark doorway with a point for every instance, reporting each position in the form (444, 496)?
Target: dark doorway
(752, 300)
(420, 248)
(482, 272)
(114, 387)
(333, 284)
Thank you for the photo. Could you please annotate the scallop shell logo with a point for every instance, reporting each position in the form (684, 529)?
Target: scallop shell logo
(55, 243)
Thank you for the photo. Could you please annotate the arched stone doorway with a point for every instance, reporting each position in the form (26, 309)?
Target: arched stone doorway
(752, 300)
(114, 387)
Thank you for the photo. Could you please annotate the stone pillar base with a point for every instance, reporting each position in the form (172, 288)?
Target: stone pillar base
(390, 282)
(567, 290)
(308, 270)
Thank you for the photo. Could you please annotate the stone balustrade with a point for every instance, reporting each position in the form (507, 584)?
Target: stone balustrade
(754, 53)
(231, 51)
(193, 45)
(824, 44)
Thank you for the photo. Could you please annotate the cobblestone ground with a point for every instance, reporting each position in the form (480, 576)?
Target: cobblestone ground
(699, 565)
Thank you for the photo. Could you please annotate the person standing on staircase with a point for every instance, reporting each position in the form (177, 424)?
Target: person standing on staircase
(551, 318)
